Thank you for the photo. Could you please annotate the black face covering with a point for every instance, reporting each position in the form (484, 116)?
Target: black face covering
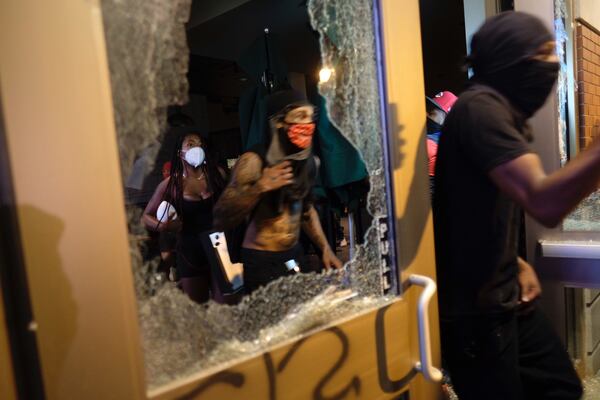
(501, 57)
(432, 126)
(526, 84)
(281, 148)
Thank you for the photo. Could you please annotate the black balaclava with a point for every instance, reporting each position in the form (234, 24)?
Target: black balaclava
(501, 52)
(430, 106)
(433, 127)
(280, 148)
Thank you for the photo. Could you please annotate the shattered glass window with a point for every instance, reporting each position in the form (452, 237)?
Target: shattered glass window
(560, 18)
(165, 54)
(586, 217)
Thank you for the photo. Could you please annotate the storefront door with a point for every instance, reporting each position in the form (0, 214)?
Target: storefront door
(60, 131)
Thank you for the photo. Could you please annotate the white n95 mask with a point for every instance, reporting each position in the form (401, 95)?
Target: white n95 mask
(194, 156)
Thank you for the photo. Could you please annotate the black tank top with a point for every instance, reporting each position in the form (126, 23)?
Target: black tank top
(196, 215)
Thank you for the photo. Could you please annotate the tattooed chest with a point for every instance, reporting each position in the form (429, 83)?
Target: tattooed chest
(282, 230)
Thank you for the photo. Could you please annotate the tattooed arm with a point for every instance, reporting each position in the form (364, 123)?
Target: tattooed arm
(248, 182)
(312, 227)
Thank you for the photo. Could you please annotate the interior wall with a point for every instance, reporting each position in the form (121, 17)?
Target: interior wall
(443, 43)
(221, 47)
(196, 108)
(589, 10)
(226, 38)
(543, 123)
(205, 10)
(476, 11)
(475, 14)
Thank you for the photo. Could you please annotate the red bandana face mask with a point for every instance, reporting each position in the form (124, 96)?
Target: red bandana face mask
(301, 134)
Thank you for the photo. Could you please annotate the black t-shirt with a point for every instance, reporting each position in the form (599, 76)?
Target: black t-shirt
(476, 225)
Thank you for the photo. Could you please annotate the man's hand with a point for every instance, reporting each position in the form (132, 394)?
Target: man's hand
(275, 177)
(330, 260)
(528, 282)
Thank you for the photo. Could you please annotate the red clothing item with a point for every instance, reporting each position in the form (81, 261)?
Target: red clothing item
(432, 148)
(166, 169)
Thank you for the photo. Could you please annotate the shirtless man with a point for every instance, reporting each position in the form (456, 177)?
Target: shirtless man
(273, 187)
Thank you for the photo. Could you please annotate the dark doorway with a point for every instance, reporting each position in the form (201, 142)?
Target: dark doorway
(444, 46)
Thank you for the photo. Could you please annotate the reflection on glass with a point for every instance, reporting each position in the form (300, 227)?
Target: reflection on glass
(232, 65)
(586, 217)
(582, 304)
(325, 74)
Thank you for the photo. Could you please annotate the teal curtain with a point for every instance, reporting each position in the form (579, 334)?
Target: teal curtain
(254, 61)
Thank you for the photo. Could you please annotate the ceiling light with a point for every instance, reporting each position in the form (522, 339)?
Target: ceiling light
(325, 74)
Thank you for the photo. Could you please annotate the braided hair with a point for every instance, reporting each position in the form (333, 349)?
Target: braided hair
(214, 178)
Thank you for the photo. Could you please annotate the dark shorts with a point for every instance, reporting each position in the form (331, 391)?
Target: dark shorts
(167, 241)
(262, 267)
(191, 261)
(509, 356)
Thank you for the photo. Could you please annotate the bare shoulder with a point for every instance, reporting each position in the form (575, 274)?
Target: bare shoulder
(163, 184)
(158, 195)
(222, 172)
(248, 168)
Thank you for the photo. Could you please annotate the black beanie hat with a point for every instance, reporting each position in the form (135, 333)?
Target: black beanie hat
(505, 40)
(279, 101)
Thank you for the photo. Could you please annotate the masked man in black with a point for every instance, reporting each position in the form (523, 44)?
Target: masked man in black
(272, 187)
(497, 344)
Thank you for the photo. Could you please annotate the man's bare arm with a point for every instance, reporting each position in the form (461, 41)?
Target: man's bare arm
(549, 198)
(248, 182)
(241, 194)
(311, 225)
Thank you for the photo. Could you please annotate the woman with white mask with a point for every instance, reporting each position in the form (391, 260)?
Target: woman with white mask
(183, 203)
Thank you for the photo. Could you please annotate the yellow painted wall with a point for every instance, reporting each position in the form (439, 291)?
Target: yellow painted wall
(406, 125)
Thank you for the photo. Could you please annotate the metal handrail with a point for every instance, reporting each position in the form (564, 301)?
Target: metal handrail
(425, 366)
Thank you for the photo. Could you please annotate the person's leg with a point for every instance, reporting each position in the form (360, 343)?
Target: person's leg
(482, 358)
(256, 269)
(546, 370)
(251, 272)
(223, 298)
(197, 288)
(193, 280)
(262, 267)
(167, 242)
